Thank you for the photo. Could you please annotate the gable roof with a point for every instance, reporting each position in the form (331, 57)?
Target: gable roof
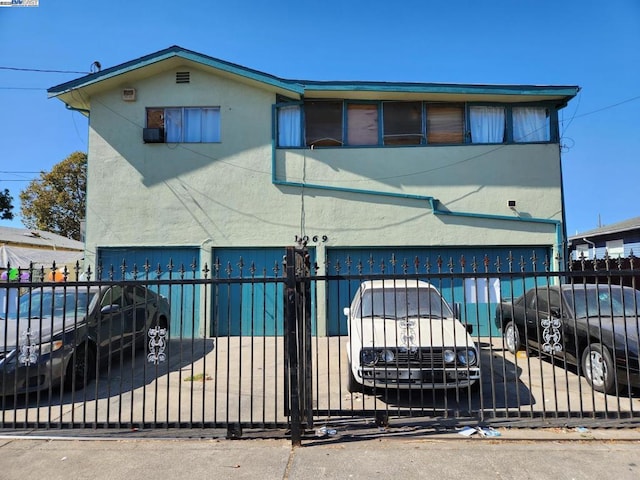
(176, 56)
(620, 227)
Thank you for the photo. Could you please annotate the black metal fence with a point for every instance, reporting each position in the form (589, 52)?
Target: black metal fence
(377, 343)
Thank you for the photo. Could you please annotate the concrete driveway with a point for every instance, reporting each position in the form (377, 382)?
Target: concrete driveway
(242, 379)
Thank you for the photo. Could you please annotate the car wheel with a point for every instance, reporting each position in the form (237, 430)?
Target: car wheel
(598, 369)
(352, 384)
(511, 337)
(81, 369)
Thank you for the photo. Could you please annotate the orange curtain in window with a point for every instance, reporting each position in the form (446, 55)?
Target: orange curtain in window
(445, 124)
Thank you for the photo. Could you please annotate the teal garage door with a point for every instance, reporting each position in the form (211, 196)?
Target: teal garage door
(253, 306)
(476, 306)
(185, 308)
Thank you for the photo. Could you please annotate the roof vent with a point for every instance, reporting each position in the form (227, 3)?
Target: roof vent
(183, 77)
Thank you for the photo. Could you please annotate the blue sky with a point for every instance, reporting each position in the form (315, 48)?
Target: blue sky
(588, 43)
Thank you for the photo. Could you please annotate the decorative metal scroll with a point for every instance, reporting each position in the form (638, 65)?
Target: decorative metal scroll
(551, 335)
(157, 345)
(28, 347)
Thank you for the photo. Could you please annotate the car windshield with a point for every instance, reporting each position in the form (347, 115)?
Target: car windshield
(605, 301)
(47, 303)
(402, 303)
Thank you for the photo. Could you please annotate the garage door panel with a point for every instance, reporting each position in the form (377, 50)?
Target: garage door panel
(184, 299)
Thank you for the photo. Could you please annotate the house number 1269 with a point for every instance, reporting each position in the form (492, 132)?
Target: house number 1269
(313, 239)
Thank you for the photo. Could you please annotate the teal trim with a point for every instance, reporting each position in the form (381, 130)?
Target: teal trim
(405, 87)
(564, 93)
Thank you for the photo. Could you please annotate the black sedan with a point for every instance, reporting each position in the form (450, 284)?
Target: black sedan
(595, 327)
(61, 335)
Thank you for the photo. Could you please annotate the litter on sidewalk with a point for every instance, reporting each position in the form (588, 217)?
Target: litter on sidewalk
(482, 431)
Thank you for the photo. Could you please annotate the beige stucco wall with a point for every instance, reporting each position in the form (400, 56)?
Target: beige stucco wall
(222, 195)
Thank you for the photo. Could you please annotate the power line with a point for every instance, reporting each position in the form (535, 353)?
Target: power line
(40, 70)
(23, 88)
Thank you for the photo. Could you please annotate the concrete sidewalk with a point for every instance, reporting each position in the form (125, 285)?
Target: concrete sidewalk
(515, 454)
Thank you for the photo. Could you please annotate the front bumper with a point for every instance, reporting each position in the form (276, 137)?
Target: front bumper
(416, 378)
(17, 378)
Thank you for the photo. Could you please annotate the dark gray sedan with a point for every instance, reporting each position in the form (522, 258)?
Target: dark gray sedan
(595, 327)
(62, 335)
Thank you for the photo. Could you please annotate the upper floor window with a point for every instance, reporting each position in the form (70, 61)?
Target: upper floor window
(402, 123)
(335, 123)
(531, 124)
(487, 124)
(186, 124)
(362, 124)
(323, 123)
(445, 124)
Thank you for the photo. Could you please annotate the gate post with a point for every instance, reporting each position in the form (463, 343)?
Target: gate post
(291, 347)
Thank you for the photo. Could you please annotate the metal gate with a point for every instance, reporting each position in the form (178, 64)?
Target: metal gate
(82, 352)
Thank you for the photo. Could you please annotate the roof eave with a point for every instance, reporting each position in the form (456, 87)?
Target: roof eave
(168, 53)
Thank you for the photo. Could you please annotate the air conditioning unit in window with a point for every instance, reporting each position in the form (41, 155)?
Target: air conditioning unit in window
(129, 94)
(153, 135)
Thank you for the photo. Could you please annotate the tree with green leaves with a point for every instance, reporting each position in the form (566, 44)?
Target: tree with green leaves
(56, 201)
(6, 205)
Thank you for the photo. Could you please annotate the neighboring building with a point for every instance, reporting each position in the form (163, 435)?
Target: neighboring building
(203, 161)
(618, 240)
(24, 248)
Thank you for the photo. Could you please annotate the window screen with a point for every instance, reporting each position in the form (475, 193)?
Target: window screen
(402, 123)
(323, 123)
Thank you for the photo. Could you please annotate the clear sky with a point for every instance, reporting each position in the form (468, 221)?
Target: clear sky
(593, 44)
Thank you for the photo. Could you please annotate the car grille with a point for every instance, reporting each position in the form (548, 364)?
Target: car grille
(418, 357)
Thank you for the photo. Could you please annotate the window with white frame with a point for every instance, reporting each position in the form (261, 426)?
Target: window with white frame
(615, 248)
(582, 252)
(186, 124)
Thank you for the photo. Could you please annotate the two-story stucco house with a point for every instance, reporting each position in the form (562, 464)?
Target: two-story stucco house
(200, 160)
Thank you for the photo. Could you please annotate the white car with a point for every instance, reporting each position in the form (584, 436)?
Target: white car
(403, 334)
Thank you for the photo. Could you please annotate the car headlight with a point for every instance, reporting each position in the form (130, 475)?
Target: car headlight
(49, 347)
(467, 357)
(368, 357)
(387, 356)
(449, 356)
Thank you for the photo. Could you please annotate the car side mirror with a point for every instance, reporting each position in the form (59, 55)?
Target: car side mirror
(469, 328)
(110, 309)
(346, 311)
(555, 312)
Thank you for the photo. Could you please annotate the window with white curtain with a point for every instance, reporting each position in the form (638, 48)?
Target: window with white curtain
(487, 124)
(289, 126)
(531, 124)
(186, 124)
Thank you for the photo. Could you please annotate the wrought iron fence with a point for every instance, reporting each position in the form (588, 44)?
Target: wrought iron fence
(358, 342)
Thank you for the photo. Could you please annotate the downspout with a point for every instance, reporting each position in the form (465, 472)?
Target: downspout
(433, 202)
(593, 245)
